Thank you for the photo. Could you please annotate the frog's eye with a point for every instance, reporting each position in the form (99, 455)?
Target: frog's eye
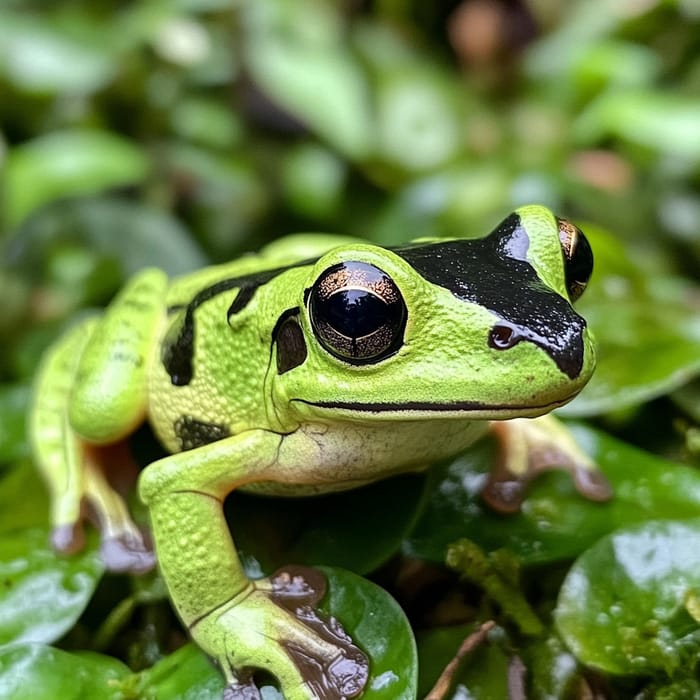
(357, 312)
(578, 258)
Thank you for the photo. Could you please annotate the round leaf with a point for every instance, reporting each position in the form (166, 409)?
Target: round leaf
(635, 619)
(43, 673)
(43, 594)
(377, 624)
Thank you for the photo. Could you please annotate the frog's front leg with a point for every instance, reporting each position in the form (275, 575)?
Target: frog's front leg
(529, 446)
(244, 625)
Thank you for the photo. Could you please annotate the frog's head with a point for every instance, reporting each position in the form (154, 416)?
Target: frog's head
(482, 328)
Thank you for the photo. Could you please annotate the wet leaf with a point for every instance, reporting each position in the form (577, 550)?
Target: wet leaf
(378, 625)
(44, 673)
(43, 594)
(555, 522)
(635, 619)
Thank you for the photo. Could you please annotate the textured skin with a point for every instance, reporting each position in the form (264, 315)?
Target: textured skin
(320, 425)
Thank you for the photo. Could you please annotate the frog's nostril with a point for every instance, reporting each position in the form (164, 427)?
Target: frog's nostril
(503, 337)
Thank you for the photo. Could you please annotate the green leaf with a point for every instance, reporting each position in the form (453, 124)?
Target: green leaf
(24, 501)
(377, 624)
(43, 673)
(663, 122)
(635, 619)
(68, 163)
(300, 61)
(107, 229)
(313, 178)
(43, 594)
(357, 530)
(187, 674)
(555, 522)
(14, 401)
(43, 56)
(635, 314)
(419, 120)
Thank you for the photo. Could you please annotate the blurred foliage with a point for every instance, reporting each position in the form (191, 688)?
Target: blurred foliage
(184, 132)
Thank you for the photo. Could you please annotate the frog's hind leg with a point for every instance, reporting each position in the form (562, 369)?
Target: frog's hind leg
(123, 547)
(529, 446)
(72, 478)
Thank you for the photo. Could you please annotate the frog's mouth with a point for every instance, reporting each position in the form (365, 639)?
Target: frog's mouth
(459, 408)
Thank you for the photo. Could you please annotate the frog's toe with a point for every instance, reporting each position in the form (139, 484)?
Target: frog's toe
(592, 484)
(349, 674)
(69, 538)
(295, 585)
(126, 554)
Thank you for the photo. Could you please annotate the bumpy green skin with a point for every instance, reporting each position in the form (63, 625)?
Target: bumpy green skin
(253, 426)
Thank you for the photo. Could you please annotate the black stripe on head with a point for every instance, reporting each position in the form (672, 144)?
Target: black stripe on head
(493, 272)
(177, 353)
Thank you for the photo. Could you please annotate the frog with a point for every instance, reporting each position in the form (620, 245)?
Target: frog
(320, 364)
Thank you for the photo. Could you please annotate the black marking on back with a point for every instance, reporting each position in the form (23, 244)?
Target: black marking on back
(291, 344)
(494, 273)
(192, 432)
(178, 346)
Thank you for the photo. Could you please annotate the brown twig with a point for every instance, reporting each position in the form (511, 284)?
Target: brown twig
(444, 682)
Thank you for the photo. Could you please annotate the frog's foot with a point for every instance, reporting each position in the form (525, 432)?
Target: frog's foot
(530, 446)
(123, 548)
(127, 552)
(273, 627)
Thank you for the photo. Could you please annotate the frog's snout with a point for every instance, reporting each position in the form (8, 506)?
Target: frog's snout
(566, 349)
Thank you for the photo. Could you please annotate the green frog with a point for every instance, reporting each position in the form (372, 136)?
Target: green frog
(321, 364)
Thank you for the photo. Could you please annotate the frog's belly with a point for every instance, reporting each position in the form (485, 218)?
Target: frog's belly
(322, 458)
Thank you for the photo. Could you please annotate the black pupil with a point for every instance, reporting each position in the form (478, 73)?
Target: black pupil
(357, 312)
(580, 265)
(354, 312)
